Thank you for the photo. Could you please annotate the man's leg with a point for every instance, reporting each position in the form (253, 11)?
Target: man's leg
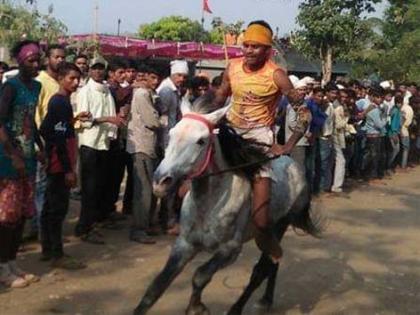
(142, 185)
(340, 169)
(59, 195)
(88, 164)
(405, 147)
(264, 236)
(325, 150)
(128, 193)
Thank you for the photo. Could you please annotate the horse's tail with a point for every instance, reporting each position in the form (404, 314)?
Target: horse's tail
(308, 221)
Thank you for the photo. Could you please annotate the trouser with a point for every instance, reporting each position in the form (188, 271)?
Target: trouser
(96, 188)
(53, 214)
(128, 193)
(394, 149)
(405, 148)
(325, 157)
(120, 160)
(10, 240)
(383, 157)
(340, 167)
(40, 187)
(143, 168)
(358, 163)
(371, 158)
(312, 171)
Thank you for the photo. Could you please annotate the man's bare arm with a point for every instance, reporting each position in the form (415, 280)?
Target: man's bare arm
(282, 81)
(224, 91)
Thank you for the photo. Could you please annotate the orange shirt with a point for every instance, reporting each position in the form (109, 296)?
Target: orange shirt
(254, 95)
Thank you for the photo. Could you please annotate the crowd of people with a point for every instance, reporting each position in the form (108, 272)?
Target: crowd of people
(91, 127)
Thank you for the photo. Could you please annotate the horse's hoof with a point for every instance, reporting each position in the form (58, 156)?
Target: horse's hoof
(264, 304)
(199, 309)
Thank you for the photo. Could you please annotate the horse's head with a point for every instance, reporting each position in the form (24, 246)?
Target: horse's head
(190, 145)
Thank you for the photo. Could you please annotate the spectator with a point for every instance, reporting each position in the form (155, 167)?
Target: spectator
(407, 116)
(142, 145)
(339, 140)
(4, 67)
(49, 86)
(94, 143)
(18, 133)
(375, 122)
(326, 138)
(199, 86)
(119, 158)
(393, 132)
(58, 132)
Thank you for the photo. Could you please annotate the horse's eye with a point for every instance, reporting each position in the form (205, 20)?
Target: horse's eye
(200, 141)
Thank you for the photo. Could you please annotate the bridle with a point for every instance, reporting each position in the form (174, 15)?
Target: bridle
(208, 159)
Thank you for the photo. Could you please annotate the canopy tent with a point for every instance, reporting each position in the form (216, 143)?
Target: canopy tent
(133, 47)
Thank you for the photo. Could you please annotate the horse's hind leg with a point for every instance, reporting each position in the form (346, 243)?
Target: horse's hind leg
(260, 272)
(267, 300)
(265, 268)
(181, 254)
(204, 274)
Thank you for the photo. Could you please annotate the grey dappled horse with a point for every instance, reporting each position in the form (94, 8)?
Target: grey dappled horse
(215, 213)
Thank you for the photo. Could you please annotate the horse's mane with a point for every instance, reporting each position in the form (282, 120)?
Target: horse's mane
(236, 150)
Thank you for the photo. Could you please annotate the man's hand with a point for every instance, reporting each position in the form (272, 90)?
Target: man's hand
(70, 179)
(279, 150)
(19, 164)
(117, 121)
(40, 156)
(84, 116)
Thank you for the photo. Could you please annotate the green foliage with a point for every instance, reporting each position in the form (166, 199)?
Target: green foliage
(18, 22)
(333, 23)
(219, 28)
(176, 28)
(395, 51)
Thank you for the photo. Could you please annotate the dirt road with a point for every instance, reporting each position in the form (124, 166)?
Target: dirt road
(367, 263)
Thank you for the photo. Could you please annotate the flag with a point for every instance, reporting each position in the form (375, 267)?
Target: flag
(206, 6)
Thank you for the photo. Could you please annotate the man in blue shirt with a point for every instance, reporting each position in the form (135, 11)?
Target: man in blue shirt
(375, 123)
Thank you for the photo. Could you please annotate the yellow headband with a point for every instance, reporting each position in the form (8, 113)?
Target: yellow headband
(259, 34)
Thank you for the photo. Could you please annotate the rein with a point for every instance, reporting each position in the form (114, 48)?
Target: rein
(210, 152)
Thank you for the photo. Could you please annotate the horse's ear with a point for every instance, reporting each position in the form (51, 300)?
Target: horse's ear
(215, 116)
(185, 105)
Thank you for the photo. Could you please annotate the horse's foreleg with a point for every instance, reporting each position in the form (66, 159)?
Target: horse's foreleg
(204, 274)
(181, 254)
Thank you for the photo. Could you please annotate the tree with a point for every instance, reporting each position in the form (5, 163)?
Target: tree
(395, 50)
(176, 28)
(330, 29)
(220, 29)
(18, 22)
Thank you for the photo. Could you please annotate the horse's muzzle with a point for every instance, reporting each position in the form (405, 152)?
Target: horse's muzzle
(162, 186)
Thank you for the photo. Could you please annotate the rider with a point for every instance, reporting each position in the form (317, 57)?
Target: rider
(256, 84)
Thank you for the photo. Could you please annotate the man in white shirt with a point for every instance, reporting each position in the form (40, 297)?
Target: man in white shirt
(94, 139)
(170, 96)
(407, 115)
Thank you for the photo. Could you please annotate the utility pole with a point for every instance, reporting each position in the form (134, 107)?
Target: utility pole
(95, 18)
(119, 25)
